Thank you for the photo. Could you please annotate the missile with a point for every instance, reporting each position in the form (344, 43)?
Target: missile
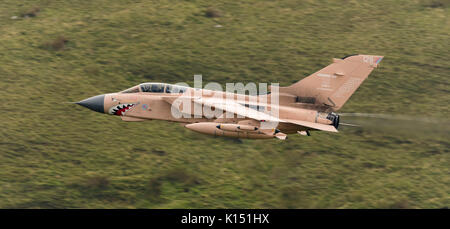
(236, 127)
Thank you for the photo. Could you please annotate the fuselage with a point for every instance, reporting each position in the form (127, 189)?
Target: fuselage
(141, 103)
(303, 106)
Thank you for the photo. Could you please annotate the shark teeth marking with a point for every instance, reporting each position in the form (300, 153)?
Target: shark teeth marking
(120, 109)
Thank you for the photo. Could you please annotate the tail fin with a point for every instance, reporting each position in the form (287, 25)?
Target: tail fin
(333, 85)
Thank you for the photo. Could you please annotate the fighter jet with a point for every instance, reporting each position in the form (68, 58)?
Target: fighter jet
(307, 105)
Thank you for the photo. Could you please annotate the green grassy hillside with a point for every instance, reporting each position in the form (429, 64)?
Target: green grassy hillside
(57, 155)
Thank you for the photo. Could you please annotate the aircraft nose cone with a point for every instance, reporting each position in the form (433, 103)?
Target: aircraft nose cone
(95, 103)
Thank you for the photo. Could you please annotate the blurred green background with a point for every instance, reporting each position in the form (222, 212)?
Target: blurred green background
(57, 155)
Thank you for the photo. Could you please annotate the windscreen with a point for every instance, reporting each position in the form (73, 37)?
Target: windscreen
(134, 89)
(152, 87)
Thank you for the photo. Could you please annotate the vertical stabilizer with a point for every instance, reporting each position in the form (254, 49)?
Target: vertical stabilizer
(333, 85)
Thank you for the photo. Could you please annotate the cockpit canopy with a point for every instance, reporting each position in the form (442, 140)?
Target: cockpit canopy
(156, 88)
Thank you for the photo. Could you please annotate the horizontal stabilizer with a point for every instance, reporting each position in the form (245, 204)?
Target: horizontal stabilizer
(312, 125)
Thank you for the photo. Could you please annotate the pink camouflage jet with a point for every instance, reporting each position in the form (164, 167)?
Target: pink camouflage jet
(308, 105)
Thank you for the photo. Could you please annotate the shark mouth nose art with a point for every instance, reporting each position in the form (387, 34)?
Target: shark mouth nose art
(120, 109)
